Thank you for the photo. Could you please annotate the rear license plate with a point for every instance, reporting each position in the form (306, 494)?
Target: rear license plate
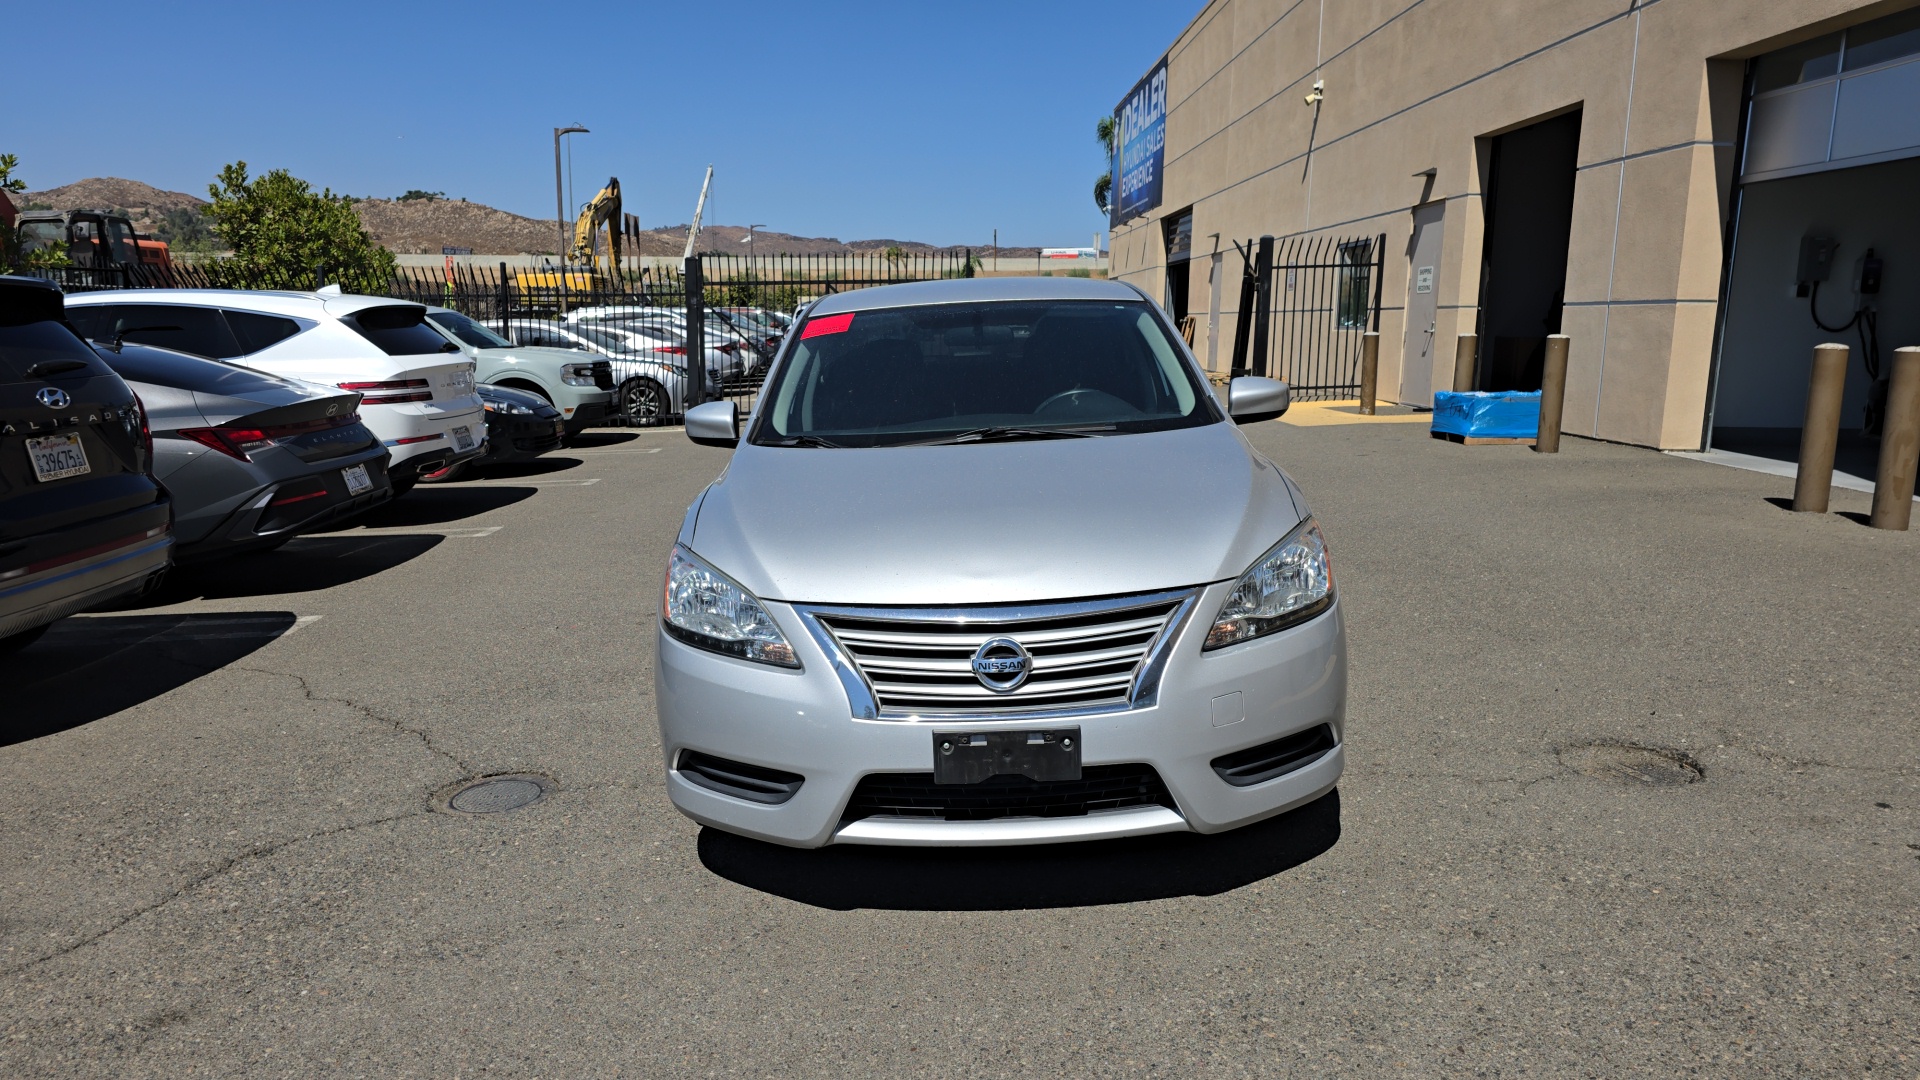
(462, 439)
(968, 757)
(358, 482)
(56, 457)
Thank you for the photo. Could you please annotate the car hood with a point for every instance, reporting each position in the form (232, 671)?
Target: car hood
(534, 354)
(994, 522)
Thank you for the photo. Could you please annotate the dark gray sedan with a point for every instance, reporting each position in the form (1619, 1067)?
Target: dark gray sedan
(251, 460)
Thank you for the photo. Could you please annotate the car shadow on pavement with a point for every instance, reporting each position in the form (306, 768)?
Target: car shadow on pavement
(305, 564)
(588, 440)
(436, 505)
(538, 467)
(97, 665)
(1014, 878)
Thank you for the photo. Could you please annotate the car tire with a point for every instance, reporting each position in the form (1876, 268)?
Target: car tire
(643, 403)
(13, 643)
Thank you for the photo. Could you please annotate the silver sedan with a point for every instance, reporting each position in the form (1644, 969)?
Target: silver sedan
(991, 565)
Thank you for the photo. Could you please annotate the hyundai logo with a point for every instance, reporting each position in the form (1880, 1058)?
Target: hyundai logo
(1002, 664)
(53, 397)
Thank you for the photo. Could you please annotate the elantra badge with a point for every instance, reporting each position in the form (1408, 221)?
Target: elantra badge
(53, 397)
(1002, 664)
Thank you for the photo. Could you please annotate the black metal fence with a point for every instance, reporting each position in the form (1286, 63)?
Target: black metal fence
(1305, 305)
(678, 334)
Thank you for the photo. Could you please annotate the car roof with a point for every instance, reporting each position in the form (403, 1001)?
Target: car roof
(974, 290)
(270, 301)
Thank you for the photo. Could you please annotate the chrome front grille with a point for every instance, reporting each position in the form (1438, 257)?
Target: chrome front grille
(1086, 656)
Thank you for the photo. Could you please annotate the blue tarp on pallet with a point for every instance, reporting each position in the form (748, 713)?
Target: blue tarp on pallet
(1500, 415)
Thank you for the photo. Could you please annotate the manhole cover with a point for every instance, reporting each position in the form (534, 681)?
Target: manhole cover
(1633, 764)
(497, 794)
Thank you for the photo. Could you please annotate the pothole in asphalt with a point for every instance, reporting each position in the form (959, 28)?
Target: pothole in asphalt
(1652, 765)
(499, 794)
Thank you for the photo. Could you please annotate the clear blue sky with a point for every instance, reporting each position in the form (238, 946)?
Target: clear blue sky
(911, 120)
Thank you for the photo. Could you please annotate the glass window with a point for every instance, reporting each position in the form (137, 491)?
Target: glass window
(120, 236)
(467, 330)
(399, 330)
(1356, 285)
(1796, 64)
(22, 346)
(1883, 39)
(930, 374)
(187, 372)
(197, 330)
(255, 331)
(41, 236)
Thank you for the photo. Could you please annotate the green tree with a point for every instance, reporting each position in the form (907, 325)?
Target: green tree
(416, 195)
(281, 230)
(1106, 130)
(10, 256)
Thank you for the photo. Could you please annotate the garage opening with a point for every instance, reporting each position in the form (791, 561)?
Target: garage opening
(1524, 268)
(1826, 244)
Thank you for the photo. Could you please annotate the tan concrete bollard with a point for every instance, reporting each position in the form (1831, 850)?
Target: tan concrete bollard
(1899, 444)
(1463, 351)
(1820, 431)
(1553, 394)
(1369, 371)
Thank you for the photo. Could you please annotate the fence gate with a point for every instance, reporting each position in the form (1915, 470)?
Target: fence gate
(1305, 304)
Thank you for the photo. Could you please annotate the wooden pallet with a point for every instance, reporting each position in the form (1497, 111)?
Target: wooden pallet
(1475, 440)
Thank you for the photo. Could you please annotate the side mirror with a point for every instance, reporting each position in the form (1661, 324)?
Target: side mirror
(717, 423)
(1251, 399)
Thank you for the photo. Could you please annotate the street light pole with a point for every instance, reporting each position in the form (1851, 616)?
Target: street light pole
(750, 229)
(559, 192)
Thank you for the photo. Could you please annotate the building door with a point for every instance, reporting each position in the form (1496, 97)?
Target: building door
(1524, 276)
(1423, 252)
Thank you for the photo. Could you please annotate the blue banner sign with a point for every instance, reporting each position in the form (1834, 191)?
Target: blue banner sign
(1140, 145)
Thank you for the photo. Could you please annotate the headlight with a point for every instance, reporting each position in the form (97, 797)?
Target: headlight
(511, 408)
(577, 374)
(703, 607)
(1290, 584)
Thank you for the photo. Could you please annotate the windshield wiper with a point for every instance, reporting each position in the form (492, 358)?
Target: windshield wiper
(994, 434)
(806, 440)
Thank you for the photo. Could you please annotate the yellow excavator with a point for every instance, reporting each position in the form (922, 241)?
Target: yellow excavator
(602, 209)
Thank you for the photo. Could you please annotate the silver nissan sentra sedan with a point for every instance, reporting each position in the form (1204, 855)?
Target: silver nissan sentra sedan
(991, 565)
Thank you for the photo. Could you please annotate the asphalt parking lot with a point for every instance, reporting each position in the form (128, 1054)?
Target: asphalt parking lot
(1633, 789)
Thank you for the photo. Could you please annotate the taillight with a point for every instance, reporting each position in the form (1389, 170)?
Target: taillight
(146, 434)
(729, 348)
(671, 350)
(239, 442)
(393, 392)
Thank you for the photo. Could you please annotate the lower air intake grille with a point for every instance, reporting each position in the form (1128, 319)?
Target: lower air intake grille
(1258, 764)
(1100, 787)
(738, 779)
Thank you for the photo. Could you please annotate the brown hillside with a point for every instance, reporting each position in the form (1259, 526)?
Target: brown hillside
(144, 203)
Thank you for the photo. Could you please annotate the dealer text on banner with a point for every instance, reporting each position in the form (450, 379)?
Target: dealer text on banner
(1142, 140)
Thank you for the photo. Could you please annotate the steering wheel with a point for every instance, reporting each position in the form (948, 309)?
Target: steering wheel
(1072, 397)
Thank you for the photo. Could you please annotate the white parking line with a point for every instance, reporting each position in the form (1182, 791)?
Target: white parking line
(508, 482)
(614, 450)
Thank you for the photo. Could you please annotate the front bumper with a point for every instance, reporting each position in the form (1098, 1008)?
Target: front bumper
(586, 409)
(801, 722)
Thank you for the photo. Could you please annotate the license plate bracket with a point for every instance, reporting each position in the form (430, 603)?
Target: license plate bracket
(968, 757)
(56, 457)
(462, 439)
(358, 482)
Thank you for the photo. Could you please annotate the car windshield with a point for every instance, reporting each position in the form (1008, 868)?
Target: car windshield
(468, 331)
(966, 372)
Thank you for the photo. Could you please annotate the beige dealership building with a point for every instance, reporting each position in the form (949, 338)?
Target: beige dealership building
(1681, 186)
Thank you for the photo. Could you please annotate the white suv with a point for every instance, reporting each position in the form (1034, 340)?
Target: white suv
(417, 388)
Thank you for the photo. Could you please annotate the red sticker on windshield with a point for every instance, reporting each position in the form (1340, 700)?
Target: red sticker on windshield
(827, 324)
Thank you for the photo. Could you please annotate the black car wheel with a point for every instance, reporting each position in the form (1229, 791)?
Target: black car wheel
(643, 402)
